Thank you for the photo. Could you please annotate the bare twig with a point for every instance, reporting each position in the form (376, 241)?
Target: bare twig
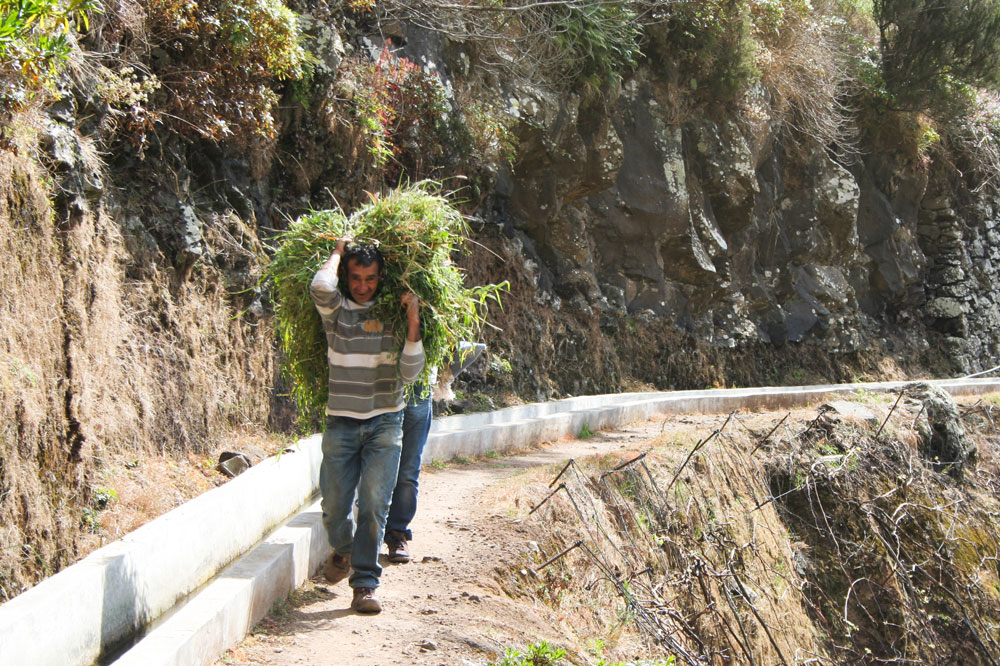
(762, 440)
(561, 472)
(756, 614)
(624, 465)
(562, 486)
(697, 447)
(556, 557)
(889, 415)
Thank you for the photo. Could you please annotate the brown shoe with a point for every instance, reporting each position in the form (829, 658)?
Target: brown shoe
(365, 601)
(337, 567)
(396, 541)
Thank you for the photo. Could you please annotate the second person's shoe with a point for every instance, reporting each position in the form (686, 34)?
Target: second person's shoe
(396, 541)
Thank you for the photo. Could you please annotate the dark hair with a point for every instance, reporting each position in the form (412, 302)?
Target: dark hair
(364, 255)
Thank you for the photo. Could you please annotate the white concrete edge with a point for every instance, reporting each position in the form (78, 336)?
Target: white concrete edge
(467, 435)
(222, 613)
(524, 425)
(96, 605)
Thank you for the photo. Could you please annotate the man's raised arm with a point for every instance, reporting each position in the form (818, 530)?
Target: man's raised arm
(411, 361)
(323, 287)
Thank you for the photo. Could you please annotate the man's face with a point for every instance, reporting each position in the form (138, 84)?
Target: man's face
(362, 281)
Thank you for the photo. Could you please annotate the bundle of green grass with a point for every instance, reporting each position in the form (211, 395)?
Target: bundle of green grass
(417, 231)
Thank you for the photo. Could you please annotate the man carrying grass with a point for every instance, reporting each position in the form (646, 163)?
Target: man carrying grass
(361, 443)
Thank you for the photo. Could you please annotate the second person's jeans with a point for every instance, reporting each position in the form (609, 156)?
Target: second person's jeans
(416, 424)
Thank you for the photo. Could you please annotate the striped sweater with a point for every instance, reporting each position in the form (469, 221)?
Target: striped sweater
(364, 381)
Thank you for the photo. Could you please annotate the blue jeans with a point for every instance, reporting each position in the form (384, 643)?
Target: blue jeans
(416, 424)
(359, 456)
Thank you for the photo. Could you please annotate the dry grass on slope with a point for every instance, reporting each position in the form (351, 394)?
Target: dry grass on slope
(107, 354)
(671, 544)
(776, 541)
(129, 489)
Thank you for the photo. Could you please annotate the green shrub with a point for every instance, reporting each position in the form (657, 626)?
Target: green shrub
(713, 45)
(412, 132)
(263, 33)
(34, 44)
(538, 654)
(220, 62)
(102, 497)
(975, 138)
(723, 47)
(402, 108)
(934, 54)
(100, 500)
(599, 41)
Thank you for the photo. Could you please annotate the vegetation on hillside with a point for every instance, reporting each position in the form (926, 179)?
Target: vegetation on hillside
(36, 40)
(411, 127)
(832, 537)
(934, 53)
(218, 70)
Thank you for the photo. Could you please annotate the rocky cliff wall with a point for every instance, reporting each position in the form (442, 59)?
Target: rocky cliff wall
(640, 225)
(656, 244)
(736, 237)
(647, 245)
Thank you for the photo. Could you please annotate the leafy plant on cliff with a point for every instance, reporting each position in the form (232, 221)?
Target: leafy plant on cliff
(410, 128)
(976, 138)
(599, 41)
(919, 88)
(216, 63)
(35, 41)
(592, 43)
(713, 43)
(935, 53)
(795, 62)
(724, 47)
(402, 109)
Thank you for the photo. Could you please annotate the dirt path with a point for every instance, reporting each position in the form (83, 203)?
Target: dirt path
(445, 606)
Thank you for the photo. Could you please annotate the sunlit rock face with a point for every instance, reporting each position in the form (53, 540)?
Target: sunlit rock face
(727, 226)
(711, 225)
(732, 232)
